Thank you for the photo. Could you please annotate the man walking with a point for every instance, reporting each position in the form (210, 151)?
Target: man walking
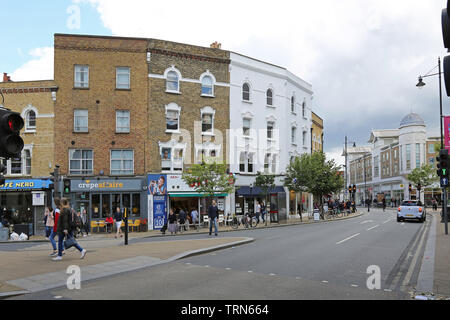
(213, 214)
(368, 205)
(384, 204)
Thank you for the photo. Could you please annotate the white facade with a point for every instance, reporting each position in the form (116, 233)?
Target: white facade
(263, 95)
(284, 85)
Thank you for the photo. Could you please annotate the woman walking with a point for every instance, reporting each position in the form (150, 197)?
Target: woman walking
(172, 222)
(118, 221)
(85, 220)
(64, 230)
(50, 224)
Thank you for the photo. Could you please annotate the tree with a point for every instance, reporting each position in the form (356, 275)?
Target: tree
(425, 176)
(314, 174)
(265, 182)
(209, 178)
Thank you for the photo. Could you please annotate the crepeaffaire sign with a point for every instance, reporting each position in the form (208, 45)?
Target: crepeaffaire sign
(105, 185)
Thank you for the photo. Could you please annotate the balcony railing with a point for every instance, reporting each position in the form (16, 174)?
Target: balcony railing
(172, 165)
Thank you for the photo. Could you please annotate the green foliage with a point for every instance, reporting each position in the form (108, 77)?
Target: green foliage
(314, 174)
(425, 175)
(209, 178)
(265, 182)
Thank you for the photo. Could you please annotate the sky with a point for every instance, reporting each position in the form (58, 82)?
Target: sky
(362, 57)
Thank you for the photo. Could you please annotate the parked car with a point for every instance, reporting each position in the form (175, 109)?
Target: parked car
(411, 210)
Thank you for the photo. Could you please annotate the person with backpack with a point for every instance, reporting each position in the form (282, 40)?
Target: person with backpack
(64, 229)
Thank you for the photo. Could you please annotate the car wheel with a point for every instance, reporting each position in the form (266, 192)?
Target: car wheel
(398, 219)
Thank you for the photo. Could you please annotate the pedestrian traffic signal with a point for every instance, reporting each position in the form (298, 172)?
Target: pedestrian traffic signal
(66, 186)
(443, 164)
(11, 144)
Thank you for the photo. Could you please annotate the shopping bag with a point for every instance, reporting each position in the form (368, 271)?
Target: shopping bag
(69, 242)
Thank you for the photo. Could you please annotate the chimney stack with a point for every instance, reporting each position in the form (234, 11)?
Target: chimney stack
(216, 45)
(6, 78)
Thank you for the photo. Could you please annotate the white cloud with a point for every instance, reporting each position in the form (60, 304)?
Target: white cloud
(39, 68)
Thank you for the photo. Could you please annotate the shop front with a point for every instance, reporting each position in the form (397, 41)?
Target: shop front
(99, 197)
(23, 205)
(300, 203)
(183, 196)
(246, 198)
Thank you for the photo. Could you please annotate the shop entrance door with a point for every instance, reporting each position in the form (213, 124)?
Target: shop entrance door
(274, 208)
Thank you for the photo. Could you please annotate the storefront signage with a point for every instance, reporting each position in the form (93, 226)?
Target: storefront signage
(157, 201)
(25, 184)
(105, 185)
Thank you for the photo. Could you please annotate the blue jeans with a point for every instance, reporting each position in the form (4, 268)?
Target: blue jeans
(61, 243)
(215, 226)
(52, 239)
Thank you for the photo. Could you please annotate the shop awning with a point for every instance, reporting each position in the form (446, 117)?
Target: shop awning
(193, 195)
(257, 191)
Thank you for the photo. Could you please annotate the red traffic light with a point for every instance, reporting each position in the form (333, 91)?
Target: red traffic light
(11, 144)
(12, 121)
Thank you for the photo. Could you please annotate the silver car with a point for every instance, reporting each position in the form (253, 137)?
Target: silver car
(411, 210)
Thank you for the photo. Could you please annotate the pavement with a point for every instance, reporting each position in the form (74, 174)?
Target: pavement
(442, 261)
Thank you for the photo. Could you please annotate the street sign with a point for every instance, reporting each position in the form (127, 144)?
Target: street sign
(444, 182)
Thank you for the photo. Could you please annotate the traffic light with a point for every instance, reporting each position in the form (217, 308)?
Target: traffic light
(11, 144)
(446, 37)
(350, 189)
(66, 186)
(354, 188)
(443, 164)
(410, 188)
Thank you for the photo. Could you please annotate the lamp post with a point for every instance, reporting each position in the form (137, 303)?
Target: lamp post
(421, 84)
(345, 165)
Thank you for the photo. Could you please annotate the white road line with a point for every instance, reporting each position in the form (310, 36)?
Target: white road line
(250, 271)
(324, 281)
(298, 278)
(273, 274)
(402, 223)
(354, 285)
(57, 297)
(387, 221)
(228, 268)
(207, 266)
(188, 263)
(373, 227)
(387, 290)
(416, 256)
(355, 235)
(367, 221)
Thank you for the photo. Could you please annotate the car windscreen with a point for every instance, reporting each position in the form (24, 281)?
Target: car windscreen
(409, 204)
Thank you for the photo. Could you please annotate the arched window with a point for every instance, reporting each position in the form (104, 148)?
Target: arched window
(173, 82)
(207, 86)
(246, 92)
(30, 119)
(269, 96)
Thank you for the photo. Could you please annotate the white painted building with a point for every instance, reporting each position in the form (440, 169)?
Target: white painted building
(270, 123)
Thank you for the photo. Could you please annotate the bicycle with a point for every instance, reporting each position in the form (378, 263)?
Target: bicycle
(248, 221)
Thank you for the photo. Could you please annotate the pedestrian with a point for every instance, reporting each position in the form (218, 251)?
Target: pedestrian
(64, 230)
(109, 224)
(118, 221)
(258, 211)
(172, 219)
(384, 204)
(85, 220)
(49, 225)
(368, 205)
(434, 205)
(48, 222)
(79, 224)
(55, 226)
(213, 215)
(194, 215)
(182, 219)
(263, 212)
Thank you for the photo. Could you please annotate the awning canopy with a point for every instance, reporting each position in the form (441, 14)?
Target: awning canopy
(257, 191)
(194, 195)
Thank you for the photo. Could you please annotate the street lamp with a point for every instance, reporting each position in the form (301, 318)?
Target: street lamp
(421, 84)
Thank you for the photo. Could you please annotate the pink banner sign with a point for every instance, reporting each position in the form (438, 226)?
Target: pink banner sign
(447, 133)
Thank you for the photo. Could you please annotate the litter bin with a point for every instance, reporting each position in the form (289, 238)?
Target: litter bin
(4, 234)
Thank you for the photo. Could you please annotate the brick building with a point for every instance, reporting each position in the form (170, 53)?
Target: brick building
(25, 192)
(128, 107)
(316, 133)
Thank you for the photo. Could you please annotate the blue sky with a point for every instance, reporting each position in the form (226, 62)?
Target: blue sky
(34, 27)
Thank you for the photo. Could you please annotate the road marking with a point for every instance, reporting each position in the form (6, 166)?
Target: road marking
(207, 266)
(373, 227)
(273, 274)
(250, 271)
(367, 221)
(228, 268)
(414, 260)
(298, 278)
(188, 263)
(387, 290)
(57, 297)
(355, 235)
(402, 223)
(354, 285)
(387, 221)
(324, 281)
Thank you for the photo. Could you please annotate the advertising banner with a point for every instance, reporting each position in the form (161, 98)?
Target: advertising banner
(447, 133)
(157, 201)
